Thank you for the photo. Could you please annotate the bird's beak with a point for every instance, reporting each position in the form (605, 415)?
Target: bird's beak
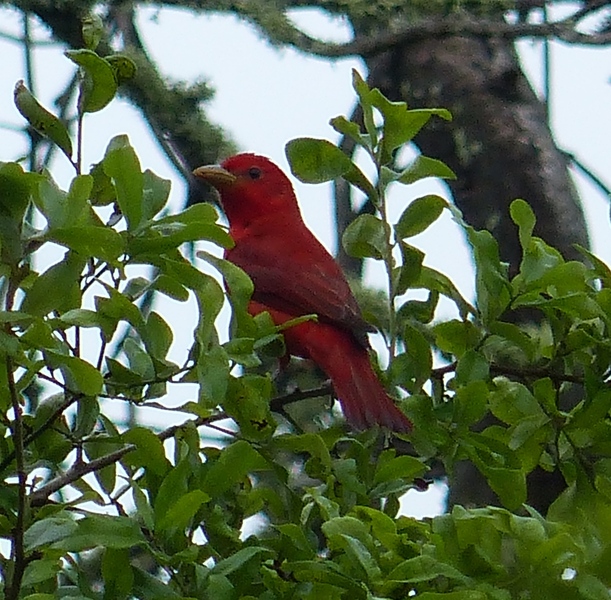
(215, 176)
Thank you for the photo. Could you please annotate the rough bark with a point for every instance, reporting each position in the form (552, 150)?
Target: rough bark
(499, 143)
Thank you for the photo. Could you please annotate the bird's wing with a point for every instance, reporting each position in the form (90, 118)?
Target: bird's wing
(297, 275)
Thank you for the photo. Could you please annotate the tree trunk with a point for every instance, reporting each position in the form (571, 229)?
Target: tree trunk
(499, 145)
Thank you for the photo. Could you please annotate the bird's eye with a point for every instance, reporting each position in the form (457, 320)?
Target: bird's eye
(254, 172)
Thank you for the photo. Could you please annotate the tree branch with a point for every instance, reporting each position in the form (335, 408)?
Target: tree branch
(79, 469)
(275, 25)
(18, 551)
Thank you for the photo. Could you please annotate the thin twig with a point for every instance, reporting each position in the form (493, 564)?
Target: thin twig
(595, 179)
(18, 553)
(522, 372)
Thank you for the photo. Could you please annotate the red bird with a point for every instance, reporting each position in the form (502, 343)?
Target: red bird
(294, 275)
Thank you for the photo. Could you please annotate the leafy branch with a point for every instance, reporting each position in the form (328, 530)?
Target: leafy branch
(40, 496)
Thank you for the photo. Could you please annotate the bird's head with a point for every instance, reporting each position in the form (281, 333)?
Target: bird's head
(250, 186)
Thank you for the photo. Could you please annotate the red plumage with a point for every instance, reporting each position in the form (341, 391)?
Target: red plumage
(294, 275)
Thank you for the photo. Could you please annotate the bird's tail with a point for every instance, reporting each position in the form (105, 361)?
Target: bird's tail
(364, 401)
(346, 362)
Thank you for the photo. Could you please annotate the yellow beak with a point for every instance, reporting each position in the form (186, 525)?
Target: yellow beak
(215, 176)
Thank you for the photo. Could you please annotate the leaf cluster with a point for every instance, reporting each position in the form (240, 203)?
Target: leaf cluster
(94, 509)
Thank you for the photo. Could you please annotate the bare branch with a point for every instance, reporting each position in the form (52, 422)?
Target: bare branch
(278, 28)
(439, 28)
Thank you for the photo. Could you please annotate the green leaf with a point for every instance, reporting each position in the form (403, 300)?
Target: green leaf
(92, 29)
(179, 515)
(117, 573)
(500, 465)
(456, 337)
(50, 200)
(242, 352)
(235, 463)
(57, 289)
(88, 241)
(99, 85)
(104, 531)
(247, 402)
(15, 189)
(424, 568)
(419, 215)
(47, 531)
(119, 307)
(411, 267)
(600, 268)
(139, 360)
(511, 336)
(237, 561)
(44, 122)
(365, 101)
(316, 161)
(197, 213)
(82, 317)
(524, 217)
(400, 125)
(76, 208)
(240, 288)
(87, 414)
(537, 262)
(170, 287)
(435, 281)
(149, 452)
(80, 376)
(471, 402)
(155, 194)
(213, 373)
(492, 282)
(365, 237)
(472, 366)
(310, 443)
(123, 67)
(162, 239)
(143, 508)
(121, 164)
(39, 571)
(175, 484)
(359, 555)
(423, 167)
(511, 401)
(412, 368)
(239, 283)
(157, 335)
(351, 130)
(399, 467)
(103, 191)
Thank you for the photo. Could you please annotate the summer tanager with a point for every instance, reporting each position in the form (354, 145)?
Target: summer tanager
(294, 275)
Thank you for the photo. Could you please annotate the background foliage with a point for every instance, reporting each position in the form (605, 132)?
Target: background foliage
(93, 511)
